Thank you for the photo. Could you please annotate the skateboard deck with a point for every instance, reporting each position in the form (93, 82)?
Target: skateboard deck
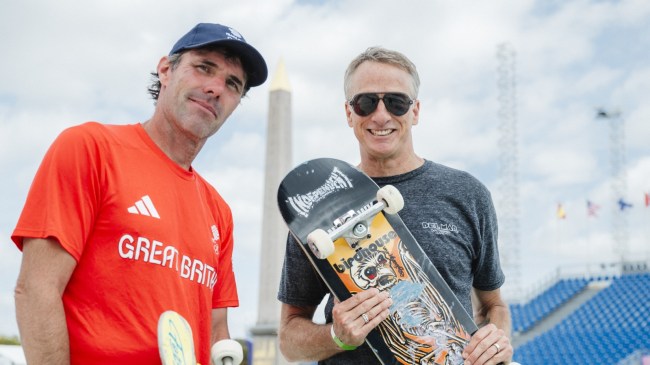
(427, 323)
(175, 341)
(176, 344)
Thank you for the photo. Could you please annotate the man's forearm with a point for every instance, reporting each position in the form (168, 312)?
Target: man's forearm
(499, 316)
(44, 273)
(43, 328)
(303, 340)
(219, 325)
(490, 308)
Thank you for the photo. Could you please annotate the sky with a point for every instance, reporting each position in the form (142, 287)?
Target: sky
(71, 61)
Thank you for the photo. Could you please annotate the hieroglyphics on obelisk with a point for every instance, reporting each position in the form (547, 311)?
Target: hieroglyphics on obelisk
(274, 232)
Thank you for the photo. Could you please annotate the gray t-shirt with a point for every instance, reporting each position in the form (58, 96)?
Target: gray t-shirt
(451, 215)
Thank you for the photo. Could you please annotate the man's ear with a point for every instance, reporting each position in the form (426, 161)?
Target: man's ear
(416, 112)
(348, 113)
(163, 69)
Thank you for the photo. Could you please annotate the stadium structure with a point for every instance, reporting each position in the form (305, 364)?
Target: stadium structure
(599, 316)
(591, 314)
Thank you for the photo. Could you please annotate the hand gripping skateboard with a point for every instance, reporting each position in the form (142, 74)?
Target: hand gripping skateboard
(350, 231)
(176, 344)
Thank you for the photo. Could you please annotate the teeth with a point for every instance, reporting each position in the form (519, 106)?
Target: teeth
(383, 132)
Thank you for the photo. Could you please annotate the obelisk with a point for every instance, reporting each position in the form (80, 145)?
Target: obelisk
(274, 231)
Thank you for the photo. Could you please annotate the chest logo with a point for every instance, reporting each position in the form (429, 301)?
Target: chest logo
(145, 207)
(440, 228)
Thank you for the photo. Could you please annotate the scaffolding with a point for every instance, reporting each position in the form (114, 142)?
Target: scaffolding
(508, 178)
(618, 180)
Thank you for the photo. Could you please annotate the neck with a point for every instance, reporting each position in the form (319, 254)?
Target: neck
(377, 167)
(175, 145)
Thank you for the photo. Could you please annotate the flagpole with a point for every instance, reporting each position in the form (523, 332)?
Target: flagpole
(647, 225)
(589, 228)
(559, 231)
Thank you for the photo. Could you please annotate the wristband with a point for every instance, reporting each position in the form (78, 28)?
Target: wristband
(340, 343)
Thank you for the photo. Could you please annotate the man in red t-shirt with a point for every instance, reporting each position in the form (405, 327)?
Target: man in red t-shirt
(119, 228)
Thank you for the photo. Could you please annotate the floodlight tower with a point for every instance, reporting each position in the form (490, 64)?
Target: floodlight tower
(508, 188)
(618, 178)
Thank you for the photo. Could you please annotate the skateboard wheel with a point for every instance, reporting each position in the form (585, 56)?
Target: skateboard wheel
(392, 198)
(321, 243)
(227, 352)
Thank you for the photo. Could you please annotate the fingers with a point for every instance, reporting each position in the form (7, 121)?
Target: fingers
(355, 317)
(489, 346)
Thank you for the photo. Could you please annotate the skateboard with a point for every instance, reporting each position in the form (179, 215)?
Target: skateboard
(351, 233)
(176, 344)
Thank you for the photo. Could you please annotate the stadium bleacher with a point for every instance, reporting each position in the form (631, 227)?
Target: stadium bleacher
(613, 327)
(524, 316)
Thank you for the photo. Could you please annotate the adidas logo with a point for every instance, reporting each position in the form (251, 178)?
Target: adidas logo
(144, 206)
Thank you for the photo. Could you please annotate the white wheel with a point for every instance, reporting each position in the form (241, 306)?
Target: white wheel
(321, 243)
(392, 198)
(227, 352)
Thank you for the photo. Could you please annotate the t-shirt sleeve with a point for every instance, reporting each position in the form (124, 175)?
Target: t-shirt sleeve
(300, 285)
(487, 272)
(64, 194)
(225, 290)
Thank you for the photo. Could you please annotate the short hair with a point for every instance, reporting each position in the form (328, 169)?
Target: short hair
(382, 55)
(175, 60)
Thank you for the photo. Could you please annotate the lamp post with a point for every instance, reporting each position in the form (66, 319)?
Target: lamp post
(618, 178)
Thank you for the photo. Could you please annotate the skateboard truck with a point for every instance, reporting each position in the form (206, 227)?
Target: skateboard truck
(359, 231)
(355, 226)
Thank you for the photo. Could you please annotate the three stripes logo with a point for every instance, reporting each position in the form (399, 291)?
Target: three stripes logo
(144, 206)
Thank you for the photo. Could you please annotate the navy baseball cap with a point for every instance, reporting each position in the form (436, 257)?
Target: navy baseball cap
(204, 34)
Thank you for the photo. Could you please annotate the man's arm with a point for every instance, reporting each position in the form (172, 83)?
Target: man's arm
(491, 343)
(44, 273)
(219, 325)
(303, 340)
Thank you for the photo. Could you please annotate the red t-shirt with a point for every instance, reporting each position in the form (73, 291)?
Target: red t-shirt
(148, 236)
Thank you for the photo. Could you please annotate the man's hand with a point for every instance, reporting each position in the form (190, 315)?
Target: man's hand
(490, 346)
(303, 340)
(355, 317)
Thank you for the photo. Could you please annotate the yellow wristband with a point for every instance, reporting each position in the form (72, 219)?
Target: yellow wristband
(340, 343)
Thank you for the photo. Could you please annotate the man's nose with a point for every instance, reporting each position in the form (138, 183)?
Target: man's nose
(381, 114)
(215, 85)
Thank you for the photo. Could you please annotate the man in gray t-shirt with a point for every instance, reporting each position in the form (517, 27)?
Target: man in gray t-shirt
(449, 212)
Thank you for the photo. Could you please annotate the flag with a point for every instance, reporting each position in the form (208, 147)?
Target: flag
(622, 204)
(561, 214)
(592, 209)
(647, 200)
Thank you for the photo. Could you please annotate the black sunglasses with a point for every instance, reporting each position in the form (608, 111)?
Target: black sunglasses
(366, 103)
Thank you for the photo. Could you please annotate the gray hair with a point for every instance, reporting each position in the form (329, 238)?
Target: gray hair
(154, 87)
(382, 55)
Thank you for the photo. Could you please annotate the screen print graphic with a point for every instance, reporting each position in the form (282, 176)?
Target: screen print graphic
(303, 203)
(421, 328)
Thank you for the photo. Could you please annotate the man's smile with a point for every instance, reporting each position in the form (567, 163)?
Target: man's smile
(380, 132)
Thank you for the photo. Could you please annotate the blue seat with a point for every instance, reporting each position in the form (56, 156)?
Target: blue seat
(529, 314)
(604, 330)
